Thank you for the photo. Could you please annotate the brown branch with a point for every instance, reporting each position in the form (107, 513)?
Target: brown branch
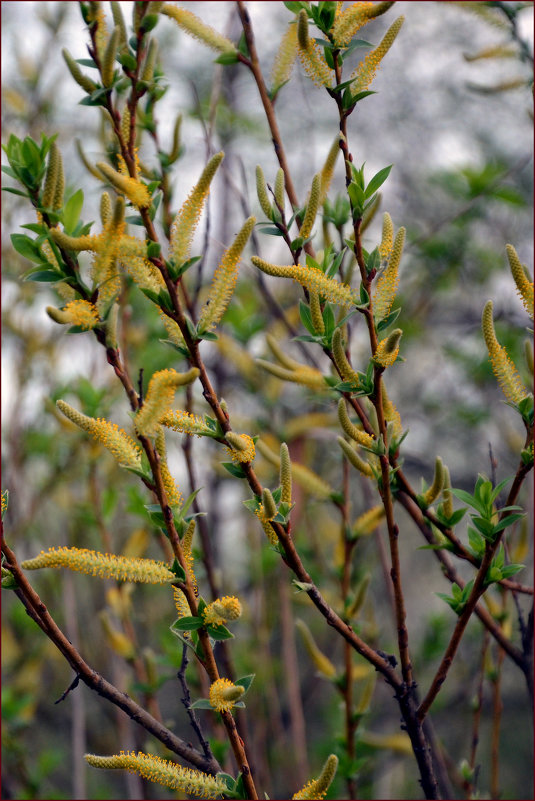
(478, 589)
(37, 610)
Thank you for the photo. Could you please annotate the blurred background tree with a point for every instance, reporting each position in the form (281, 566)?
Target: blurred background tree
(454, 120)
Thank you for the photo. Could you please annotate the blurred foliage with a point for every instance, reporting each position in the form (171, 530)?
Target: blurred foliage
(64, 490)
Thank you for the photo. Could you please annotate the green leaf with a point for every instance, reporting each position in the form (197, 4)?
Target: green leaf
(378, 180)
(44, 276)
(306, 317)
(235, 470)
(201, 703)
(178, 570)
(245, 681)
(26, 247)
(189, 623)
(227, 58)
(71, 211)
(219, 632)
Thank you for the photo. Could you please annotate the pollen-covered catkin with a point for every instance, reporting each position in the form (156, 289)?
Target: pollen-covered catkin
(385, 291)
(103, 565)
(185, 222)
(261, 192)
(502, 366)
(162, 771)
(523, 285)
(189, 22)
(160, 394)
(317, 788)
(365, 72)
(224, 280)
(312, 207)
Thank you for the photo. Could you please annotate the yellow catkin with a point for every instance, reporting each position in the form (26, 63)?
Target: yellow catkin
(222, 610)
(387, 238)
(105, 208)
(186, 423)
(350, 21)
(82, 313)
(265, 523)
(327, 171)
(136, 192)
(388, 349)
(361, 437)
(160, 394)
(185, 222)
(523, 285)
(365, 72)
(182, 606)
(187, 550)
(312, 207)
(224, 280)
(224, 694)
(502, 366)
(150, 61)
(117, 640)
(311, 278)
(386, 288)
(315, 311)
(261, 192)
(285, 473)
(82, 80)
(340, 359)
(311, 57)
(306, 478)
(198, 29)
(174, 496)
(97, 19)
(117, 441)
(320, 661)
(368, 521)
(280, 188)
(280, 355)
(308, 376)
(51, 177)
(162, 771)
(438, 482)
(243, 448)
(317, 788)
(353, 457)
(57, 202)
(76, 243)
(132, 259)
(118, 20)
(104, 268)
(390, 412)
(108, 61)
(285, 58)
(103, 565)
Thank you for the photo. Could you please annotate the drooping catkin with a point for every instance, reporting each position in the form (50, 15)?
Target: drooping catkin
(386, 288)
(190, 23)
(185, 222)
(162, 771)
(502, 366)
(523, 285)
(311, 57)
(312, 207)
(224, 280)
(365, 72)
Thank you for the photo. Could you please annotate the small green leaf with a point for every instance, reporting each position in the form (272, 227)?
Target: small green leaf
(219, 632)
(378, 180)
(188, 623)
(245, 681)
(235, 470)
(71, 211)
(178, 570)
(201, 703)
(227, 58)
